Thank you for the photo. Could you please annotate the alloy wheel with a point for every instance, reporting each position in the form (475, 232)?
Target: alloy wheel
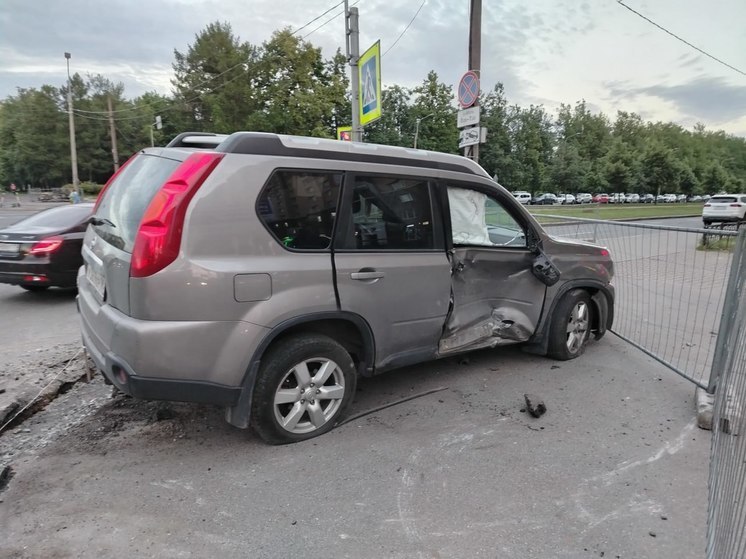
(309, 395)
(577, 327)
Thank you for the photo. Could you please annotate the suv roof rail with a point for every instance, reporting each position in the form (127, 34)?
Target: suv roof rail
(204, 140)
(264, 143)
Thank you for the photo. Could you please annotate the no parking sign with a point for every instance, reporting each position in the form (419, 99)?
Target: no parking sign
(468, 89)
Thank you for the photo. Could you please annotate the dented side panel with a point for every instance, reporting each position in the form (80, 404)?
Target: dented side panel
(495, 299)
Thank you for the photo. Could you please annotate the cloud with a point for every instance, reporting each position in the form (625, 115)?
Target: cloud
(702, 99)
(543, 51)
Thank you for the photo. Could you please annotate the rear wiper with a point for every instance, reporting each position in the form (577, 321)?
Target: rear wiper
(100, 221)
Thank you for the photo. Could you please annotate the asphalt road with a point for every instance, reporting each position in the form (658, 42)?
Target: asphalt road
(30, 321)
(10, 216)
(616, 468)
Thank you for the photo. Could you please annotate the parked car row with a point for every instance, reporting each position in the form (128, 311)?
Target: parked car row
(525, 198)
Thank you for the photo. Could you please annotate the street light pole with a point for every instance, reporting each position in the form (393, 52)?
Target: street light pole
(352, 44)
(73, 149)
(417, 128)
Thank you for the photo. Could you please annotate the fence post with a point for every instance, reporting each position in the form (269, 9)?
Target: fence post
(730, 305)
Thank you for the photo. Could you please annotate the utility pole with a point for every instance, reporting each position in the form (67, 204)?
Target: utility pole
(73, 149)
(475, 57)
(113, 131)
(352, 43)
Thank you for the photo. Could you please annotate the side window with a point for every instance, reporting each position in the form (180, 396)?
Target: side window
(299, 208)
(478, 219)
(390, 213)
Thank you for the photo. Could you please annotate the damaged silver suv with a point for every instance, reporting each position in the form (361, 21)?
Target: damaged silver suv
(265, 273)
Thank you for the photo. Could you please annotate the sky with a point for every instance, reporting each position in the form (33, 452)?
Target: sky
(543, 51)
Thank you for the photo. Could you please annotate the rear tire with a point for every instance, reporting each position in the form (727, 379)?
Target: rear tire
(571, 326)
(305, 384)
(35, 288)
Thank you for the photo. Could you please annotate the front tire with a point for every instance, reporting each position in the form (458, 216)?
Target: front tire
(305, 384)
(571, 326)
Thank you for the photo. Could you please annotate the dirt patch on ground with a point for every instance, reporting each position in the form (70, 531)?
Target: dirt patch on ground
(124, 421)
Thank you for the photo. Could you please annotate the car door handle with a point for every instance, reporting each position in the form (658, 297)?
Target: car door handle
(367, 275)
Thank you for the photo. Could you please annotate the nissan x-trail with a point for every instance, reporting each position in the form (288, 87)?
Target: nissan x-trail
(265, 273)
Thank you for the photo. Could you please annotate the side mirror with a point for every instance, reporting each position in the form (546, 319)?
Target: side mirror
(544, 270)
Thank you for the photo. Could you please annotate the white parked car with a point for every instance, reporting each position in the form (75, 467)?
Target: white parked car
(569, 199)
(633, 198)
(523, 197)
(724, 207)
(670, 198)
(617, 198)
(584, 198)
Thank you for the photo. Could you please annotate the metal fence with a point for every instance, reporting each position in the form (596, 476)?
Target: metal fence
(670, 286)
(681, 298)
(726, 520)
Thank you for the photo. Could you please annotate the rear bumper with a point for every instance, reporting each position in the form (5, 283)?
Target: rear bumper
(121, 375)
(722, 218)
(20, 272)
(168, 360)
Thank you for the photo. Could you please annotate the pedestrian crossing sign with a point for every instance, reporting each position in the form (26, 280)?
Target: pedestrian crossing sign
(369, 85)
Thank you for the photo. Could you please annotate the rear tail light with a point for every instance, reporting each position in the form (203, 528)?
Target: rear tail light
(707, 205)
(35, 279)
(604, 252)
(735, 205)
(46, 246)
(159, 236)
(111, 180)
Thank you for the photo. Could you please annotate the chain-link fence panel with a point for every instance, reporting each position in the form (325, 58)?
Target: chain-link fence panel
(670, 286)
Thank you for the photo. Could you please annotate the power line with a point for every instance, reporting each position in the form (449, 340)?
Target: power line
(172, 107)
(316, 19)
(335, 16)
(405, 29)
(716, 59)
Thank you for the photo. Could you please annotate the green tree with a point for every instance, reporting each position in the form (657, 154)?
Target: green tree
(299, 91)
(533, 143)
(661, 170)
(715, 179)
(496, 154)
(621, 167)
(214, 80)
(568, 171)
(34, 141)
(591, 133)
(396, 125)
(433, 105)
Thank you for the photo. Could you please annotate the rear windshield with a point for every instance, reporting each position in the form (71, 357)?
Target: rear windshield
(127, 198)
(57, 218)
(723, 199)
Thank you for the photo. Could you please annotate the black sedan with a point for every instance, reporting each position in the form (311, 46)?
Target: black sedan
(545, 199)
(43, 250)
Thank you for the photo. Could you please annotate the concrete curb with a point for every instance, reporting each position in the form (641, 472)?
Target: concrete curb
(705, 408)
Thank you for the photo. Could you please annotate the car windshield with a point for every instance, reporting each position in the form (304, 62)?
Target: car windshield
(61, 217)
